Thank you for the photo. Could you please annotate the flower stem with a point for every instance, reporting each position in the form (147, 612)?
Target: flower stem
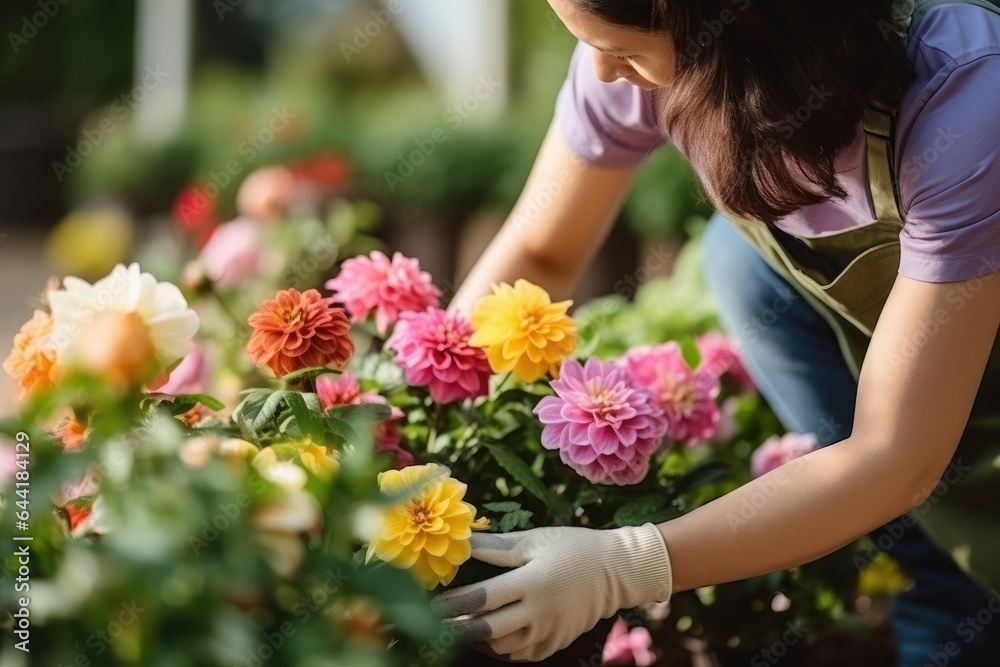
(432, 436)
(225, 307)
(496, 392)
(474, 429)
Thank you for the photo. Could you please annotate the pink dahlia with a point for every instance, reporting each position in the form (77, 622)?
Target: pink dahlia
(433, 349)
(388, 440)
(345, 390)
(779, 450)
(388, 287)
(628, 647)
(188, 377)
(234, 253)
(721, 356)
(605, 427)
(687, 397)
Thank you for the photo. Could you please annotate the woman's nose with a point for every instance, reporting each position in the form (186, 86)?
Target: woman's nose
(609, 68)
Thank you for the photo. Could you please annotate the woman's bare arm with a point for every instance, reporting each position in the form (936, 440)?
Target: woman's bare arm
(554, 231)
(915, 394)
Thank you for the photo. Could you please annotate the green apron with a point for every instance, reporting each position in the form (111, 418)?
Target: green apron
(847, 278)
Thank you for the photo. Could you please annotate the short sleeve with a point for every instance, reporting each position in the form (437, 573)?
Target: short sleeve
(949, 177)
(607, 124)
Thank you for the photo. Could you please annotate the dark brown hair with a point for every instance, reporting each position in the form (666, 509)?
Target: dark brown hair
(768, 92)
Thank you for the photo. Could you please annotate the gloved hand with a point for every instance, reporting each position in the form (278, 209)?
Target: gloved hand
(565, 581)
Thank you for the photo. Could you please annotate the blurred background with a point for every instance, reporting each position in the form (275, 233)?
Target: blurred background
(134, 130)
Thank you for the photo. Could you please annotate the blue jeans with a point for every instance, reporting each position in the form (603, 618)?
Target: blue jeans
(793, 356)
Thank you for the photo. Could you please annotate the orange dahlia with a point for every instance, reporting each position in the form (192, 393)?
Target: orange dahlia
(297, 330)
(31, 361)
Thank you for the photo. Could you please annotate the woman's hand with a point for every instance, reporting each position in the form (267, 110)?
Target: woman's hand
(564, 581)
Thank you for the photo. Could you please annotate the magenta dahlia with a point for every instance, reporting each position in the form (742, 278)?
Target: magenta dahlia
(721, 356)
(386, 286)
(605, 427)
(687, 397)
(433, 350)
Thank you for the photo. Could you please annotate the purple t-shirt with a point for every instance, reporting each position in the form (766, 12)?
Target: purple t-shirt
(946, 150)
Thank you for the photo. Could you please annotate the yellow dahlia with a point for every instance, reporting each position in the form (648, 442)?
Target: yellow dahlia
(427, 530)
(31, 362)
(523, 331)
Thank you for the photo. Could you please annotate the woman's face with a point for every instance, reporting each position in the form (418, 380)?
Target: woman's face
(642, 58)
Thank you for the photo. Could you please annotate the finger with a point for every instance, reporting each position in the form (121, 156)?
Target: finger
(487, 595)
(500, 549)
(512, 643)
(495, 624)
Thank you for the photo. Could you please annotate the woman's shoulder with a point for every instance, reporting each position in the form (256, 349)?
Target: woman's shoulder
(948, 133)
(609, 124)
(949, 38)
(953, 34)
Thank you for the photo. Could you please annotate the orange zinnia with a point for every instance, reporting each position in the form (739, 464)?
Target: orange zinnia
(297, 330)
(31, 362)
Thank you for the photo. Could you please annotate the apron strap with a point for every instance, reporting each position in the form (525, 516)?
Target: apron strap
(879, 122)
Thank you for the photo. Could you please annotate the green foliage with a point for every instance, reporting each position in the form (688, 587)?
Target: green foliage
(190, 521)
(172, 572)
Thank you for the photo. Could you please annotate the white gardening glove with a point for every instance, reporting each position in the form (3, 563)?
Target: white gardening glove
(565, 581)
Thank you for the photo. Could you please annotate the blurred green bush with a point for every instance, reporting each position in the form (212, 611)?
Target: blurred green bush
(376, 112)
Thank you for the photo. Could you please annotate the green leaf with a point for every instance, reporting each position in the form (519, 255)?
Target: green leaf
(268, 410)
(248, 410)
(312, 401)
(306, 374)
(514, 520)
(366, 414)
(184, 402)
(507, 506)
(702, 475)
(250, 406)
(521, 473)
(690, 351)
(290, 426)
(339, 428)
(637, 512)
(310, 422)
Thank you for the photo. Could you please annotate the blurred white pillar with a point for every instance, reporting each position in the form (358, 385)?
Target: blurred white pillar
(461, 45)
(162, 68)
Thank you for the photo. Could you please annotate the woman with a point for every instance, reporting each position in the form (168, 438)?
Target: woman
(852, 145)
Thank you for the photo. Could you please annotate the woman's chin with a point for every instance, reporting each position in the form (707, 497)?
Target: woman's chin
(645, 85)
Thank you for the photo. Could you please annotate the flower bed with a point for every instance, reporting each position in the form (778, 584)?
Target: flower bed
(291, 476)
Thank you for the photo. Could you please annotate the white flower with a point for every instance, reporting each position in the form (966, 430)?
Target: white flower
(161, 308)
